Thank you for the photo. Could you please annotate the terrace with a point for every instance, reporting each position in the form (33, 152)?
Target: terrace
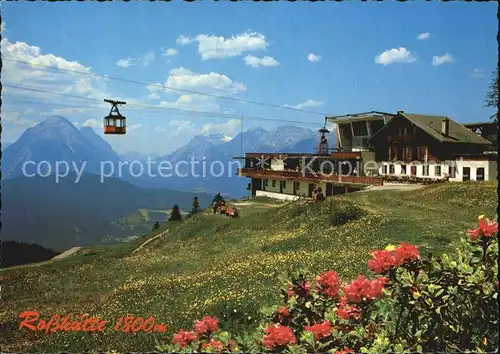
(284, 175)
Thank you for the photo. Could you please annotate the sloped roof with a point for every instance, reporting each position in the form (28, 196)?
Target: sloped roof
(432, 126)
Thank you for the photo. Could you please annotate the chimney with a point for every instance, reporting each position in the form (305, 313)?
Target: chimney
(445, 126)
(401, 112)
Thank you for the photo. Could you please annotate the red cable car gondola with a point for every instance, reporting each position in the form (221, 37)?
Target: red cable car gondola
(114, 123)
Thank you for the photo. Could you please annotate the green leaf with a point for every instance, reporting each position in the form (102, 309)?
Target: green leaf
(398, 348)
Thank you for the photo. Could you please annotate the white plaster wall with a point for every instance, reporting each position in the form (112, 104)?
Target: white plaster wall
(473, 169)
(489, 169)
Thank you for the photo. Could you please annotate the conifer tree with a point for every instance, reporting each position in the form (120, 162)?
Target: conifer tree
(196, 205)
(175, 215)
(492, 95)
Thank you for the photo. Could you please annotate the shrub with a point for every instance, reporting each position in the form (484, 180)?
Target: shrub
(344, 212)
(437, 304)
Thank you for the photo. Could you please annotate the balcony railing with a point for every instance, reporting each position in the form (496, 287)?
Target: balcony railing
(298, 175)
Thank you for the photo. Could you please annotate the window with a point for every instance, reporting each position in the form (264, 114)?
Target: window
(414, 129)
(392, 153)
(425, 170)
(385, 169)
(466, 174)
(284, 184)
(401, 153)
(359, 128)
(274, 183)
(266, 182)
(403, 169)
(391, 169)
(408, 153)
(480, 174)
(405, 131)
(400, 131)
(437, 170)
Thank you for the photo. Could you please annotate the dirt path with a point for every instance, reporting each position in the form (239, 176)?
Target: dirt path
(244, 204)
(66, 253)
(150, 240)
(393, 186)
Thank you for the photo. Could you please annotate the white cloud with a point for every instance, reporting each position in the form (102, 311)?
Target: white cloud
(441, 59)
(306, 104)
(39, 78)
(3, 27)
(93, 123)
(153, 89)
(25, 52)
(134, 127)
(170, 52)
(313, 57)
(478, 73)
(230, 128)
(177, 127)
(153, 96)
(193, 102)
(183, 40)
(148, 58)
(18, 120)
(424, 36)
(214, 47)
(391, 56)
(125, 63)
(185, 79)
(255, 62)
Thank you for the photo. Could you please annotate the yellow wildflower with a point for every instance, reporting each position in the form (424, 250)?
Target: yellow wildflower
(390, 248)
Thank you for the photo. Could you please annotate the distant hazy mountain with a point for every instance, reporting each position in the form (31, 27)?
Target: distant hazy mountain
(66, 214)
(56, 139)
(100, 143)
(136, 156)
(288, 139)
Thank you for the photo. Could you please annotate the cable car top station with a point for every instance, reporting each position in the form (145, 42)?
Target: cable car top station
(114, 122)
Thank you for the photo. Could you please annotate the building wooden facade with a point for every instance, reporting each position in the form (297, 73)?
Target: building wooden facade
(377, 146)
(432, 147)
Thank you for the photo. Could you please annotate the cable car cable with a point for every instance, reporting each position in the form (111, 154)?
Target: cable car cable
(202, 113)
(167, 87)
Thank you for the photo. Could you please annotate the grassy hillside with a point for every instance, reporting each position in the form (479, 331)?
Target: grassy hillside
(65, 214)
(212, 265)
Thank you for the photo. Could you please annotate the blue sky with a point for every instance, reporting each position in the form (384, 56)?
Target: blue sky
(254, 51)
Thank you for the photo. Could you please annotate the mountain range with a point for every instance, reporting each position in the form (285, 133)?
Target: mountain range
(57, 139)
(214, 150)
